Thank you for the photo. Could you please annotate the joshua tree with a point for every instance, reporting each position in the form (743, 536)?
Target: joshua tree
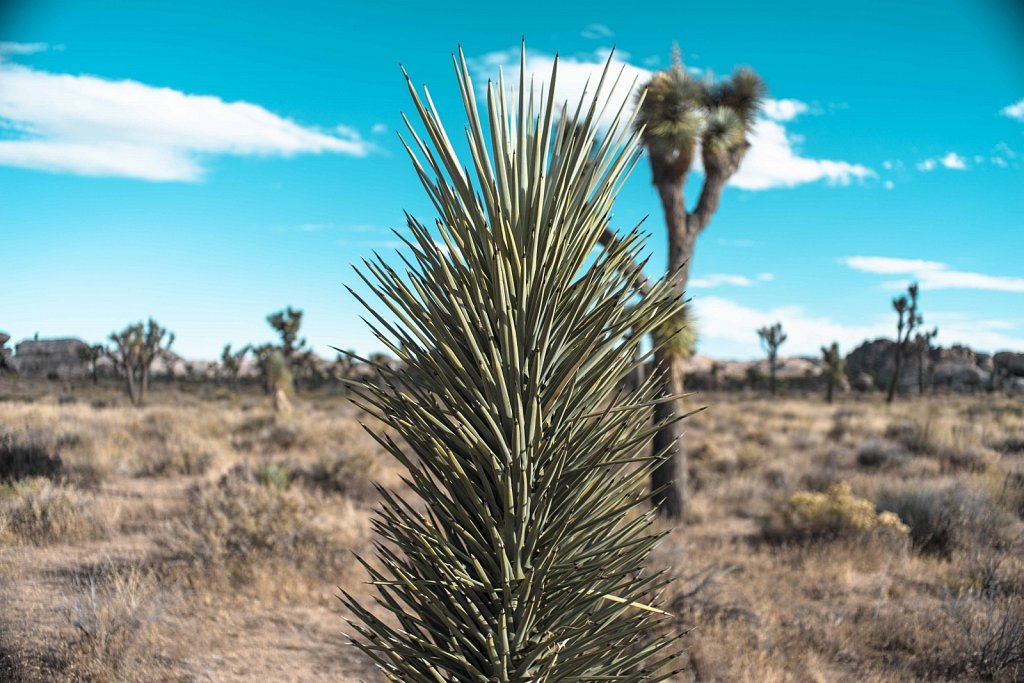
(771, 339)
(922, 345)
(287, 323)
(91, 355)
(835, 368)
(678, 115)
(909, 320)
(231, 362)
(136, 347)
(524, 558)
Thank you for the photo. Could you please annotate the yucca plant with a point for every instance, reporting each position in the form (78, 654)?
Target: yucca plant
(523, 556)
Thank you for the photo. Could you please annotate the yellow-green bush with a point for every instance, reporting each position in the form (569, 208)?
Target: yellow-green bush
(837, 512)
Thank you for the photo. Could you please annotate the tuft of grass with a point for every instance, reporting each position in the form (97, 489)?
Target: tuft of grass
(115, 614)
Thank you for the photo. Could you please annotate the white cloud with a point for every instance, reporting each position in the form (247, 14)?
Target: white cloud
(8, 48)
(933, 274)
(1014, 111)
(379, 128)
(887, 165)
(772, 161)
(91, 126)
(951, 160)
(999, 161)
(719, 279)
(784, 110)
(729, 328)
(954, 161)
(596, 31)
(765, 277)
(889, 184)
(723, 323)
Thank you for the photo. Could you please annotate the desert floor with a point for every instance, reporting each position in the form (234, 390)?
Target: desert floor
(201, 538)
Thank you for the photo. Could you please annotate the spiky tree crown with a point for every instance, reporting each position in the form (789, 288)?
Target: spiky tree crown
(680, 111)
(523, 559)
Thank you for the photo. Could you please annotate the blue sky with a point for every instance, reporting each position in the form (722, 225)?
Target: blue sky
(207, 165)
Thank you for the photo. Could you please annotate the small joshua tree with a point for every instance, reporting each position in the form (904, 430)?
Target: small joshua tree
(90, 355)
(771, 339)
(922, 345)
(231, 362)
(835, 368)
(908, 320)
(523, 560)
(135, 349)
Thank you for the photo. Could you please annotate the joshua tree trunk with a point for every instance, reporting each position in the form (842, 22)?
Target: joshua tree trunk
(830, 388)
(896, 375)
(669, 480)
(771, 376)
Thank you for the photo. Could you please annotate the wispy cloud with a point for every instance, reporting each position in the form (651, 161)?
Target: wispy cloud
(1014, 111)
(719, 279)
(933, 274)
(728, 279)
(730, 326)
(87, 125)
(772, 162)
(597, 31)
(8, 48)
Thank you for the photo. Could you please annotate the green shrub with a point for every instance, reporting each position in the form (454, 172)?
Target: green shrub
(876, 453)
(942, 519)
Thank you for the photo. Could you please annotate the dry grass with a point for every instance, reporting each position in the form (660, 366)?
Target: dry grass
(227, 522)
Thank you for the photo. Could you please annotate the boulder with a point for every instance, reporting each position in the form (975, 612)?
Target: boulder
(959, 375)
(877, 359)
(1009, 363)
(53, 358)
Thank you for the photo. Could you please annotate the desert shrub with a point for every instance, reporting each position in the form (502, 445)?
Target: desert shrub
(350, 475)
(38, 511)
(941, 519)
(24, 456)
(878, 453)
(264, 433)
(989, 632)
(114, 614)
(242, 522)
(956, 444)
(176, 454)
(835, 513)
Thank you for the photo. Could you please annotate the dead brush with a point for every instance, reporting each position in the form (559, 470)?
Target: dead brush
(40, 512)
(115, 613)
(251, 523)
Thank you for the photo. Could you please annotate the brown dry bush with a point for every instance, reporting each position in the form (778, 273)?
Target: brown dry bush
(38, 511)
(115, 614)
(944, 519)
(251, 524)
